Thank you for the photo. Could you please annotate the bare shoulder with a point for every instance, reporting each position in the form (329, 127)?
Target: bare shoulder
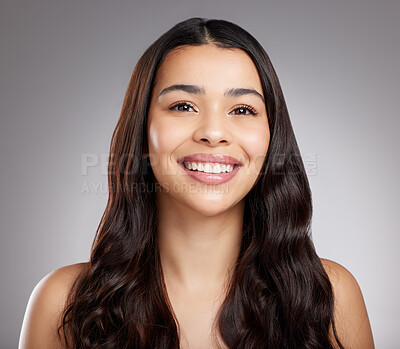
(45, 305)
(340, 277)
(351, 317)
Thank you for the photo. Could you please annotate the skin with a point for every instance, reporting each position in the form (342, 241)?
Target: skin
(199, 225)
(200, 229)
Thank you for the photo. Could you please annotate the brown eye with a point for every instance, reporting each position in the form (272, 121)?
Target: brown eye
(182, 106)
(245, 110)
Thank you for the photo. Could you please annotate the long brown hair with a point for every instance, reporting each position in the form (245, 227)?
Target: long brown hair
(280, 295)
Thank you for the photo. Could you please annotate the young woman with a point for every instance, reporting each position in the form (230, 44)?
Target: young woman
(205, 241)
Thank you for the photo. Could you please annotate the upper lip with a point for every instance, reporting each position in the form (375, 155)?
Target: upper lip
(215, 158)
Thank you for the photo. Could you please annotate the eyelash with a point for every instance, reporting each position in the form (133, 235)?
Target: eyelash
(243, 106)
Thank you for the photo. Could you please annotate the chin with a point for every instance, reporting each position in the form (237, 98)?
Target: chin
(212, 208)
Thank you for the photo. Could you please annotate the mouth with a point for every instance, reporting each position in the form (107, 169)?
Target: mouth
(210, 168)
(210, 158)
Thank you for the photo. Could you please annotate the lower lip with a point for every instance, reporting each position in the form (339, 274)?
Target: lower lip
(211, 178)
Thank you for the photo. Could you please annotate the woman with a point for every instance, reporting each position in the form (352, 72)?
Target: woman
(205, 241)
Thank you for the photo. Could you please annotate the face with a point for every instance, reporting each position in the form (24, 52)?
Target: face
(207, 112)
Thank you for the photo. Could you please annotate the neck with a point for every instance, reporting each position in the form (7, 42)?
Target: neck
(198, 253)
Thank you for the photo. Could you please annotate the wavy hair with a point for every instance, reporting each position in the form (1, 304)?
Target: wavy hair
(279, 295)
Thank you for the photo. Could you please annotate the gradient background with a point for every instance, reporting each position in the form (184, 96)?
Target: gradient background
(65, 66)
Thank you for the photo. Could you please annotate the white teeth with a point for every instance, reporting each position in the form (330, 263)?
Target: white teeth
(217, 169)
(208, 168)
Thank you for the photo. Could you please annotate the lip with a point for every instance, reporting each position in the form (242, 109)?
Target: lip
(211, 178)
(211, 158)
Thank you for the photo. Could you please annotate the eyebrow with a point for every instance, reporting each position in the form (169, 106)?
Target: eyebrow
(197, 90)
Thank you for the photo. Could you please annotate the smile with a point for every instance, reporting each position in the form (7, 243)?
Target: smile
(210, 168)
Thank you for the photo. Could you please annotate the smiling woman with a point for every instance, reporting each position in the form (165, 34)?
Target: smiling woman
(219, 123)
(220, 254)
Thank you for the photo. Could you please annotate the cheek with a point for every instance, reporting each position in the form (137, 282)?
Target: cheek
(163, 138)
(256, 143)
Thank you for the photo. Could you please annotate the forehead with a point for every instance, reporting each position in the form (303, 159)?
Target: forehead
(210, 66)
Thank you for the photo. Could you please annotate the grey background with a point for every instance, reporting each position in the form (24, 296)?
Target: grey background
(65, 66)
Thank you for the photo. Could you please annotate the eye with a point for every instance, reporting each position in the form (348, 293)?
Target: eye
(245, 110)
(182, 106)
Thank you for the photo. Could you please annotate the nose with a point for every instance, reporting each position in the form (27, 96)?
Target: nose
(213, 129)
